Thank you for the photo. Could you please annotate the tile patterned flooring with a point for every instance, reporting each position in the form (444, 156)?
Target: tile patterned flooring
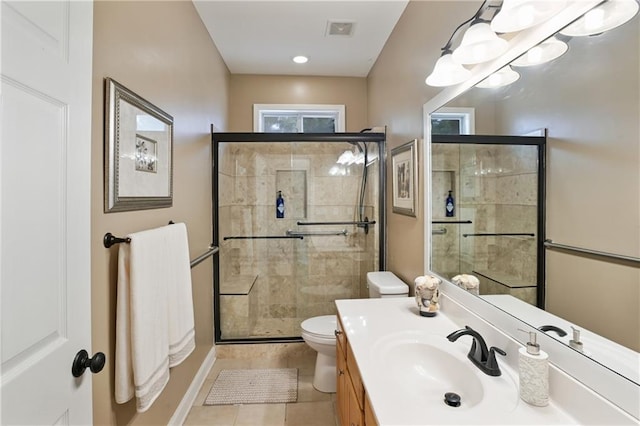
(313, 408)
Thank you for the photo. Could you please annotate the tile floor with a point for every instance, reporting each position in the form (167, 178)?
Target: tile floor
(313, 408)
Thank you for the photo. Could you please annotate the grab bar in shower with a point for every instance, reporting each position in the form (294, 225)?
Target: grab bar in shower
(362, 222)
(550, 244)
(515, 234)
(441, 231)
(317, 233)
(451, 222)
(262, 237)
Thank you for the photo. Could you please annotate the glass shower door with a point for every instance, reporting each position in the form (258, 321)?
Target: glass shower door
(275, 272)
(497, 231)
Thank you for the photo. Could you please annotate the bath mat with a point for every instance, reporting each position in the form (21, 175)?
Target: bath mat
(259, 386)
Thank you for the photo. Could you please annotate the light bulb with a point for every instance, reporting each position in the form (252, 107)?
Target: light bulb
(607, 16)
(479, 44)
(447, 73)
(517, 15)
(504, 76)
(593, 19)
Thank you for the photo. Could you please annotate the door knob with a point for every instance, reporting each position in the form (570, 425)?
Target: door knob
(82, 361)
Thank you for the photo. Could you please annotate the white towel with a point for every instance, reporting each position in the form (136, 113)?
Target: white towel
(181, 324)
(154, 315)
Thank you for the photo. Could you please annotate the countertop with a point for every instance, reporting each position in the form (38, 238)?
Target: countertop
(369, 323)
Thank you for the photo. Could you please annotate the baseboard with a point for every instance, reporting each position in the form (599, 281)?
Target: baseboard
(181, 413)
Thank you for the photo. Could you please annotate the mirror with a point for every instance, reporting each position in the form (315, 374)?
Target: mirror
(588, 101)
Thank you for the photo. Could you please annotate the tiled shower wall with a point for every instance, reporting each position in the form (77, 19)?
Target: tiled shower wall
(496, 188)
(292, 279)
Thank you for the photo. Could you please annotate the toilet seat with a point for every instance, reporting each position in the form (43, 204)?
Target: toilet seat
(322, 327)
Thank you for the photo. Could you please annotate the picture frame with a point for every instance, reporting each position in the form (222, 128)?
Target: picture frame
(404, 161)
(138, 157)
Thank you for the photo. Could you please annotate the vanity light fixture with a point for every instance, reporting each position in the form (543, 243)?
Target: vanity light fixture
(300, 59)
(479, 44)
(503, 77)
(546, 51)
(446, 72)
(517, 15)
(604, 17)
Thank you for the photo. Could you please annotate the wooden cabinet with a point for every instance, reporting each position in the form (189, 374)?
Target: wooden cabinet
(354, 408)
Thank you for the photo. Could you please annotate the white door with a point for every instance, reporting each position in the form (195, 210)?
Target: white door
(45, 156)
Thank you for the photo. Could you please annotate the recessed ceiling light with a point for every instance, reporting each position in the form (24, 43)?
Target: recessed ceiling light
(300, 59)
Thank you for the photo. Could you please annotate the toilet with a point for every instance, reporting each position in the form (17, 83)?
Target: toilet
(319, 332)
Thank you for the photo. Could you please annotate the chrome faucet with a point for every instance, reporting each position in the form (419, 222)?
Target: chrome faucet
(480, 356)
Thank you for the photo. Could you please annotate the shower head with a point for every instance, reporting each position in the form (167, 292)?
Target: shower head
(356, 144)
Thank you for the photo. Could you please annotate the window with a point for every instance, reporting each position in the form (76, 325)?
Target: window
(453, 121)
(303, 118)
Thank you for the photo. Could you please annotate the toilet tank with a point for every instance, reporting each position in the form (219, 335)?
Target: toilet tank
(386, 284)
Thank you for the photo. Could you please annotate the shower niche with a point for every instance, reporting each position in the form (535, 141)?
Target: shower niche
(293, 184)
(272, 272)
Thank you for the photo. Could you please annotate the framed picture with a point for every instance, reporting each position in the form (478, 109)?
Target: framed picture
(138, 167)
(405, 180)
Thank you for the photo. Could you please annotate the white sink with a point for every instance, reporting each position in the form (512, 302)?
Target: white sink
(429, 365)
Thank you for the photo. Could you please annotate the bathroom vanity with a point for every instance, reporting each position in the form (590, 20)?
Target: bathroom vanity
(354, 407)
(395, 366)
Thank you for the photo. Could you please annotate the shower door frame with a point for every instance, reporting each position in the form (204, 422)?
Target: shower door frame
(226, 137)
(541, 143)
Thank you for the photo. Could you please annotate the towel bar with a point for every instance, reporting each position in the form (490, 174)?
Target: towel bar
(109, 240)
(551, 245)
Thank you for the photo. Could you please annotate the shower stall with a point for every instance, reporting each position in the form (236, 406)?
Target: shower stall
(496, 231)
(279, 266)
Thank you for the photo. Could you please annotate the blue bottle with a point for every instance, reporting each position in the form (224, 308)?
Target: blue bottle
(450, 206)
(279, 206)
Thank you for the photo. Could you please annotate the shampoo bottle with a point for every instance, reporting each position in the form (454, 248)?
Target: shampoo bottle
(450, 206)
(279, 206)
(534, 373)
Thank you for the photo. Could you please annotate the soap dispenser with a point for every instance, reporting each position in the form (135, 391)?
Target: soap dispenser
(533, 365)
(575, 343)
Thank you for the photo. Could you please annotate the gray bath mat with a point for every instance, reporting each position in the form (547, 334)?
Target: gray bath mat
(260, 386)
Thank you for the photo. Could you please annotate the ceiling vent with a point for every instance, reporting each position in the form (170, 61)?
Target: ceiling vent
(340, 28)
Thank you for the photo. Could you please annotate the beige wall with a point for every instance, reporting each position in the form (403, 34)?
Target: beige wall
(592, 171)
(593, 175)
(397, 92)
(246, 90)
(161, 51)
